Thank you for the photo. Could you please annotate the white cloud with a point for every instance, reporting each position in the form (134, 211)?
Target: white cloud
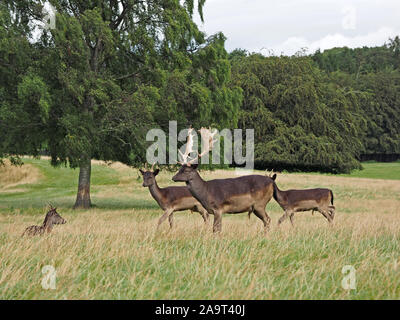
(289, 25)
(294, 44)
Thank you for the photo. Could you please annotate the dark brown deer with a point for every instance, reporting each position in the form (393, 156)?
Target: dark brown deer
(292, 201)
(52, 218)
(171, 199)
(273, 177)
(233, 195)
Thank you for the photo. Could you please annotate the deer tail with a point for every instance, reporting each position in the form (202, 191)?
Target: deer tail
(331, 196)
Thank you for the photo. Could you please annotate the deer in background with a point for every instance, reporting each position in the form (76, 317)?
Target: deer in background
(292, 201)
(52, 218)
(233, 195)
(171, 199)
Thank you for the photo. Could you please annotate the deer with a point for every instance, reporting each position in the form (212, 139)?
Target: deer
(273, 177)
(171, 199)
(292, 201)
(249, 193)
(52, 218)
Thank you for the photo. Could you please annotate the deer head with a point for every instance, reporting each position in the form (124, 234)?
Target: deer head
(52, 217)
(149, 176)
(187, 171)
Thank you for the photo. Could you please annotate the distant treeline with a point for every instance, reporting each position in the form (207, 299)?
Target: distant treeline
(325, 111)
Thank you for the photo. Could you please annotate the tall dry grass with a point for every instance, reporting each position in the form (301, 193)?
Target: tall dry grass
(117, 253)
(12, 176)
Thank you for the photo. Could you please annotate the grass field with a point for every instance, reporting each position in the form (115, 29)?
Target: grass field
(114, 252)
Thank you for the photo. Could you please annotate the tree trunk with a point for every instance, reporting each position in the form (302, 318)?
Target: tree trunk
(83, 196)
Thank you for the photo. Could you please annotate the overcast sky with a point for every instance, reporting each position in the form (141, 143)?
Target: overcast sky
(286, 26)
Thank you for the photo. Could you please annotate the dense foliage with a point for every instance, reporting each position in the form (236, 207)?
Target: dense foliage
(300, 118)
(322, 112)
(110, 70)
(375, 74)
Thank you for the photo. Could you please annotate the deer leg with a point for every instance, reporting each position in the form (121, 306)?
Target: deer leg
(326, 215)
(260, 213)
(164, 216)
(292, 218)
(286, 215)
(171, 220)
(217, 227)
(204, 215)
(332, 211)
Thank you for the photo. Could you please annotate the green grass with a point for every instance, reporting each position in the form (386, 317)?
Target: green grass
(377, 170)
(113, 251)
(58, 185)
(371, 170)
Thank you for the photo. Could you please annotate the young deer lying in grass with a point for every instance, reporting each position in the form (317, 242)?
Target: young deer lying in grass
(171, 199)
(52, 218)
(292, 201)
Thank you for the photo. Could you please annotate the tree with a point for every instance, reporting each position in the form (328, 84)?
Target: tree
(301, 119)
(24, 96)
(109, 65)
(375, 81)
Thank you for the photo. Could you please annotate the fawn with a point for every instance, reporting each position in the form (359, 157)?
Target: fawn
(52, 218)
(171, 199)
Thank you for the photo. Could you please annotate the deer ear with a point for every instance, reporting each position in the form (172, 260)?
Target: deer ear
(156, 171)
(141, 171)
(273, 177)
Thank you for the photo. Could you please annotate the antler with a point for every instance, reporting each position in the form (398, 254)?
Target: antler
(189, 148)
(152, 166)
(270, 174)
(208, 138)
(208, 141)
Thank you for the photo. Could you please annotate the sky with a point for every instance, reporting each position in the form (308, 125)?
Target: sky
(287, 26)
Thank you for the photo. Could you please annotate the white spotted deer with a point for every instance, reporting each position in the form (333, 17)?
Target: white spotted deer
(171, 199)
(234, 195)
(292, 201)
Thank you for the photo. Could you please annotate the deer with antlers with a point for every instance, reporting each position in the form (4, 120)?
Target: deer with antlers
(52, 218)
(171, 199)
(233, 195)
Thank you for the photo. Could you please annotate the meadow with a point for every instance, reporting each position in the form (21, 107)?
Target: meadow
(113, 250)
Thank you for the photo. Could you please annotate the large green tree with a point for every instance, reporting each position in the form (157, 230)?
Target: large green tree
(110, 70)
(24, 96)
